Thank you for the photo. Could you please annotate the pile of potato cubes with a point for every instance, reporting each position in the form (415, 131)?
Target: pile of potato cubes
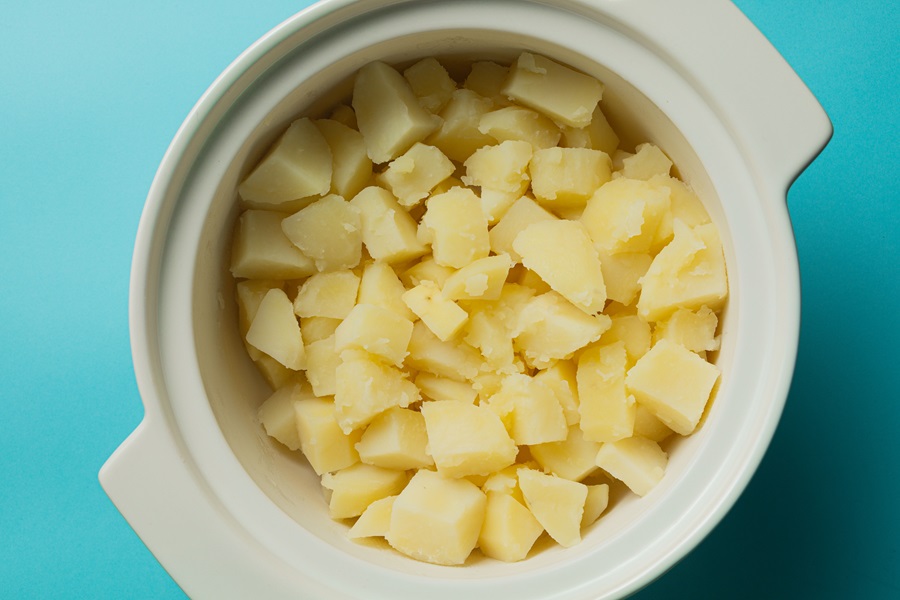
(474, 307)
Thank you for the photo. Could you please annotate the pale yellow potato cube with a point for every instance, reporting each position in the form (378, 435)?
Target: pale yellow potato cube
(276, 332)
(686, 206)
(695, 330)
(524, 212)
(622, 274)
(561, 253)
(557, 504)
(299, 165)
(486, 78)
(646, 425)
(639, 463)
(465, 439)
(568, 177)
(366, 387)
(624, 214)
(458, 228)
(502, 167)
(674, 384)
(560, 377)
(444, 186)
(277, 415)
(376, 330)
(331, 294)
(458, 136)
(452, 359)
(249, 294)
(275, 373)
(632, 331)
(618, 158)
(380, 286)
(353, 489)
(431, 83)
(488, 331)
(607, 410)
(573, 458)
(352, 168)
(598, 135)
(647, 162)
(388, 231)
(688, 273)
(509, 529)
(495, 203)
(528, 278)
(506, 481)
(375, 521)
(481, 279)
(412, 175)
(443, 317)
(261, 250)
(314, 329)
(388, 113)
(323, 443)
(434, 387)
(328, 231)
(519, 123)
(344, 114)
(426, 270)
(395, 439)
(561, 93)
(551, 328)
(531, 409)
(596, 502)
(437, 519)
(322, 360)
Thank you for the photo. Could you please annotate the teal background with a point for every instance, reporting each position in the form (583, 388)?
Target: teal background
(91, 93)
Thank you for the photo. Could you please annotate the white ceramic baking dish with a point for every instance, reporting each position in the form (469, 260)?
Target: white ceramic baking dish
(231, 516)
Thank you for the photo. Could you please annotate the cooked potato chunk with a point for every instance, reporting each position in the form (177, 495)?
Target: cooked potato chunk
(327, 231)
(557, 504)
(596, 502)
(624, 214)
(353, 489)
(521, 214)
(352, 168)
(262, 251)
(395, 439)
(277, 415)
(458, 136)
(431, 83)
(481, 279)
(331, 294)
(375, 520)
(380, 285)
(573, 458)
(415, 173)
(637, 462)
(443, 317)
(276, 332)
(503, 167)
(388, 232)
(518, 123)
(458, 228)
(607, 411)
(568, 177)
(324, 444)
(366, 387)
(530, 410)
(376, 330)
(509, 529)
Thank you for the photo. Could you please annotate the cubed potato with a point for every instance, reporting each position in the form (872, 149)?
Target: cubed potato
(551, 328)
(277, 415)
(458, 136)
(685, 206)
(366, 387)
(506, 480)
(534, 414)
(395, 439)
(560, 377)
(557, 504)
(598, 135)
(695, 330)
(561, 253)
(353, 489)
(637, 462)
(647, 162)
(426, 270)
(509, 529)
(633, 332)
(434, 387)
(275, 373)
(388, 232)
(322, 360)
(502, 167)
(452, 359)
(561, 93)
(328, 231)
(314, 329)
(607, 410)
(344, 114)
(528, 278)
(573, 458)
(331, 294)
(380, 286)
(568, 177)
(261, 250)
(431, 83)
(352, 168)
(524, 212)
(486, 78)
(495, 203)
(249, 294)
(437, 519)
(412, 175)
(322, 442)
(276, 332)
(488, 331)
(376, 330)
(596, 502)
(298, 165)
(388, 113)
(465, 439)
(646, 425)
(443, 317)
(375, 521)
(624, 214)
(519, 123)
(481, 279)
(622, 274)
(688, 273)
(674, 384)
(458, 228)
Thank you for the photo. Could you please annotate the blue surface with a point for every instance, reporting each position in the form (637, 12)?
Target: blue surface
(91, 95)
